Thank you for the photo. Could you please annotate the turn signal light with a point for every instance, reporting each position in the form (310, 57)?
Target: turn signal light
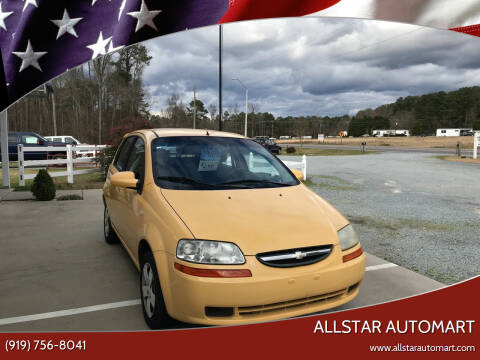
(352, 255)
(214, 273)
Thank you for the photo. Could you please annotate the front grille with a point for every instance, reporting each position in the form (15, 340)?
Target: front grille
(295, 257)
(287, 305)
(279, 307)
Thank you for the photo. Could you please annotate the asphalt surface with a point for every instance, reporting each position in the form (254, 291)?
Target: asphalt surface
(437, 151)
(411, 208)
(54, 259)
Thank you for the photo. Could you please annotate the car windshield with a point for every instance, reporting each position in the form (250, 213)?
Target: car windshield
(209, 162)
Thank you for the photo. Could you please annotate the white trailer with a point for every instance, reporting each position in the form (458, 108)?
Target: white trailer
(380, 133)
(453, 132)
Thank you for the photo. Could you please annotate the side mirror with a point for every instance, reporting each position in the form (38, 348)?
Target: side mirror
(124, 179)
(298, 174)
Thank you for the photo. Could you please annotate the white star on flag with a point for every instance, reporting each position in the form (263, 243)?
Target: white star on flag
(3, 16)
(29, 2)
(99, 47)
(29, 57)
(122, 7)
(144, 17)
(112, 49)
(94, 1)
(66, 24)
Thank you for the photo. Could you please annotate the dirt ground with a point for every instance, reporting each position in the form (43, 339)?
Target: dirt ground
(409, 141)
(465, 160)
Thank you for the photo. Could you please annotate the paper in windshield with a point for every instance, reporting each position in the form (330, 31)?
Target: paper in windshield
(209, 158)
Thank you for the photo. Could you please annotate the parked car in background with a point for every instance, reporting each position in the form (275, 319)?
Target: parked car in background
(191, 207)
(31, 139)
(70, 140)
(269, 144)
(467, 133)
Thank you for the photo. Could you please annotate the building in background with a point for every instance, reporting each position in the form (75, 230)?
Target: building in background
(455, 132)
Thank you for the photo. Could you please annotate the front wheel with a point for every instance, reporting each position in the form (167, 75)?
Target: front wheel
(154, 310)
(108, 232)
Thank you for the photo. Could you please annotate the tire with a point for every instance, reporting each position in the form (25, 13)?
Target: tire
(153, 306)
(108, 231)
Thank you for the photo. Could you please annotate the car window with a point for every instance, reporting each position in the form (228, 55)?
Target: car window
(29, 139)
(69, 140)
(57, 139)
(209, 162)
(259, 164)
(12, 139)
(136, 160)
(123, 153)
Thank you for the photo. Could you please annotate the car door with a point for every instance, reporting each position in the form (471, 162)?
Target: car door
(134, 203)
(115, 197)
(31, 140)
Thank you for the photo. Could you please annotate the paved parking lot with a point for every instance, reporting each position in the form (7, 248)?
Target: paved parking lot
(57, 273)
(412, 209)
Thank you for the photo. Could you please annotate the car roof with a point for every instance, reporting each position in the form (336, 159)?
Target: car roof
(165, 132)
(21, 133)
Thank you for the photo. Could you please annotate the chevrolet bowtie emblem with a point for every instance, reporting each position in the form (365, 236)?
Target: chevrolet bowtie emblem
(300, 255)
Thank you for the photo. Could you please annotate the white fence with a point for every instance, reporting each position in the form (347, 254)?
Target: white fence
(476, 140)
(69, 161)
(298, 165)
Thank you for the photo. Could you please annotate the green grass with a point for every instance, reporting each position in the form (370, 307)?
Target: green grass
(308, 182)
(398, 223)
(325, 152)
(83, 181)
(335, 183)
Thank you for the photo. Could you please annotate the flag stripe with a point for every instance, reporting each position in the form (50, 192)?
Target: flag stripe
(258, 9)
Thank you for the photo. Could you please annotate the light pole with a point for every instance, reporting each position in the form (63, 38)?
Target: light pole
(220, 75)
(246, 103)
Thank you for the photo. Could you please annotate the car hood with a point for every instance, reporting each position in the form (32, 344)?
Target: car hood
(258, 220)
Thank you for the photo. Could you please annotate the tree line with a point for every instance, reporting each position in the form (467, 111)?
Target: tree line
(103, 99)
(89, 101)
(423, 114)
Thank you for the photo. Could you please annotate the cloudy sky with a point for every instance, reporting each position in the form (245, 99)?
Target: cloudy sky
(311, 66)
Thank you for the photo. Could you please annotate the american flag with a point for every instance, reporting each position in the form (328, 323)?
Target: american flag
(40, 39)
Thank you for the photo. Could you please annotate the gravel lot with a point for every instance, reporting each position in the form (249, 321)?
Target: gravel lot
(412, 209)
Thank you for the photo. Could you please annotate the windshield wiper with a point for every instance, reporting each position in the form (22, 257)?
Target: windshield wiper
(255, 182)
(186, 180)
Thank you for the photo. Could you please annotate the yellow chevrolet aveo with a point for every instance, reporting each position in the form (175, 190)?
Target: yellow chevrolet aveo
(223, 232)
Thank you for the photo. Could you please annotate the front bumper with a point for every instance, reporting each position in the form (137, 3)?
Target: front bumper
(270, 294)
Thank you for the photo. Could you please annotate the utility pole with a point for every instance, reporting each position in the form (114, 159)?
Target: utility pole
(54, 115)
(194, 106)
(4, 128)
(220, 49)
(4, 144)
(246, 103)
(246, 110)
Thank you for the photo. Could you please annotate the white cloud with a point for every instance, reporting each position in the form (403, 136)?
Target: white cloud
(311, 66)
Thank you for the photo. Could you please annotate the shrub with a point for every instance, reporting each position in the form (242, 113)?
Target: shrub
(291, 150)
(43, 187)
(105, 159)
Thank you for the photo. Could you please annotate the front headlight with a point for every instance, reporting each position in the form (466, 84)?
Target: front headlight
(348, 237)
(209, 252)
